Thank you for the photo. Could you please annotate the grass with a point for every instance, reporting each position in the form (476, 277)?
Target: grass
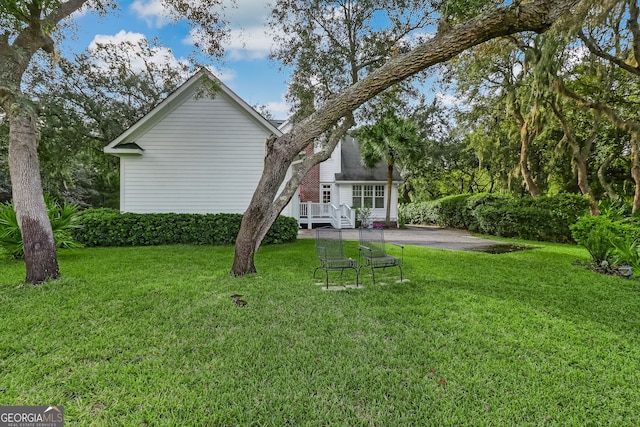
(150, 336)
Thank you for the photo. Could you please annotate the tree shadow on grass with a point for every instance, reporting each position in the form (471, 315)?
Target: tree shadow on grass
(545, 280)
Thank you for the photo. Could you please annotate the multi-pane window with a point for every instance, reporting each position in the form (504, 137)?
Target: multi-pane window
(368, 196)
(325, 191)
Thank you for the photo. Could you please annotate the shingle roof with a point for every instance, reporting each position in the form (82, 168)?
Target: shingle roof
(354, 170)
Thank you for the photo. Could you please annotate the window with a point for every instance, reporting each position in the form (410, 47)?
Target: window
(368, 196)
(325, 191)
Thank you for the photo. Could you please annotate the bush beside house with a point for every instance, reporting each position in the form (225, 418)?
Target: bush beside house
(106, 227)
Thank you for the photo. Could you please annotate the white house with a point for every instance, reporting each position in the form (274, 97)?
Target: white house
(343, 184)
(202, 153)
(193, 153)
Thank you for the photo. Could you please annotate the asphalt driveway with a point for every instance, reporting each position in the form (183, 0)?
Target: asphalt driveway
(433, 237)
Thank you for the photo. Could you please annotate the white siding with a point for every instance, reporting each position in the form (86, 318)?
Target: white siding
(330, 167)
(345, 194)
(205, 156)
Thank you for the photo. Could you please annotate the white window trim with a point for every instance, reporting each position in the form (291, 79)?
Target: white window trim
(373, 196)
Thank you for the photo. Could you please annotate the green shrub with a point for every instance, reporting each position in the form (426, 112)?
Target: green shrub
(425, 213)
(627, 252)
(546, 218)
(599, 243)
(63, 220)
(106, 227)
(543, 218)
(453, 211)
(614, 209)
(475, 204)
(610, 240)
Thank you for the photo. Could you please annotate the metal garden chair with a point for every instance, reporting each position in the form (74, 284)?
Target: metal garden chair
(372, 250)
(330, 251)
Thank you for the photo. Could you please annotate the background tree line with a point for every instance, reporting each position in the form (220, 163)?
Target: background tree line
(85, 102)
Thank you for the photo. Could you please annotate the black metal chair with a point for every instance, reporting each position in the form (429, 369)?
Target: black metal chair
(330, 251)
(372, 250)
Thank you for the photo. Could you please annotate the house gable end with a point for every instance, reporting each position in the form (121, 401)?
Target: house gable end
(189, 90)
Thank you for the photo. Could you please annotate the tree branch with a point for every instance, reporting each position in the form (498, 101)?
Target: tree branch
(594, 49)
(634, 27)
(619, 122)
(63, 11)
(537, 15)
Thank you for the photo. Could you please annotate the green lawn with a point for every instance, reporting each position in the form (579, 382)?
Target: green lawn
(150, 336)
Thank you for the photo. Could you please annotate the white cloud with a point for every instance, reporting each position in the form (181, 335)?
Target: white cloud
(249, 43)
(225, 75)
(117, 38)
(161, 55)
(417, 37)
(248, 38)
(573, 56)
(243, 44)
(279, 109)
(247, 23)
(447, 99)
(151, 11)
(517, 69)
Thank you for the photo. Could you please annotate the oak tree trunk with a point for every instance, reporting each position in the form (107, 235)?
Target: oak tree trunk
(257, 217)
(580, 151)
(525, 141)
(602, 177)
(585, 187)
(635, 169)
(631, 126)
(37, 235)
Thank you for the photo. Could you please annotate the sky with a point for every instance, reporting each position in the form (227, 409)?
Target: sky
(245, 67)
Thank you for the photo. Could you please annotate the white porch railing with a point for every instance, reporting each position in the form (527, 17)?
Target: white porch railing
(338, 216)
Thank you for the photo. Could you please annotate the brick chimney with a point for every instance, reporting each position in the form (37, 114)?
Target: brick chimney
(310, 185)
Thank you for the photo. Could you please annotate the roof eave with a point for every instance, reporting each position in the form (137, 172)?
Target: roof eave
(123, 151)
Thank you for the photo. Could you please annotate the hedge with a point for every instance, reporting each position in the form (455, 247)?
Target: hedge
(546, 218)
(107, 227)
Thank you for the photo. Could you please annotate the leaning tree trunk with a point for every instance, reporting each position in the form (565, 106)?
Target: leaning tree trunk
(631, 126)
(276, 163)
(534, 15)
(39, 246)
(585, 187)
(528, 131)
(265, 207)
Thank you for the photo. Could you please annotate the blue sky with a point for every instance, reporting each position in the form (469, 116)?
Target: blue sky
(245, 67)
